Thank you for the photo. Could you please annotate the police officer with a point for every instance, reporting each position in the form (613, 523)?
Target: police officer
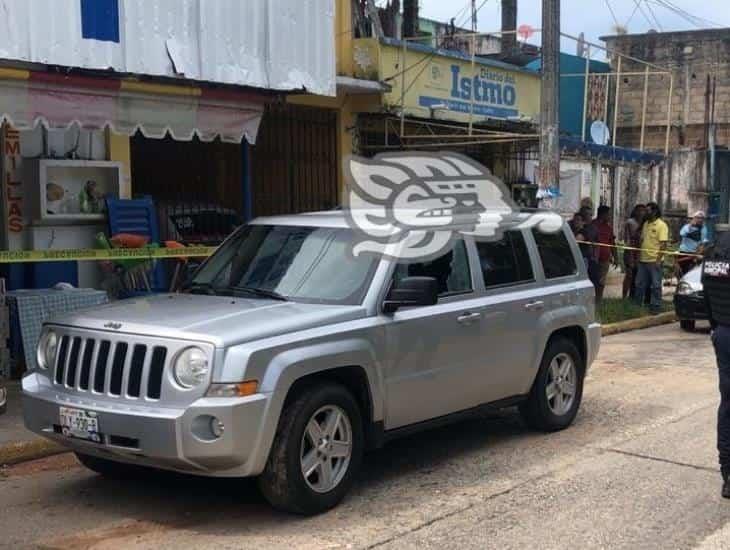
(716, 284)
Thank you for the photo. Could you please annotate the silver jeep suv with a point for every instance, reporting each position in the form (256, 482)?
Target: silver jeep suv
(289, 357)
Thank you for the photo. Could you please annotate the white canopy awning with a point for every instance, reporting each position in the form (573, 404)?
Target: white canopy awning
(127, 106)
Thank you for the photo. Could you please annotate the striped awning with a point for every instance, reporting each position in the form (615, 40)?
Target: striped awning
(29, 98)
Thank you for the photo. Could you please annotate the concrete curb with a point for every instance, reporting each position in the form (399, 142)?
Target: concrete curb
(23, 451)
(641, 322)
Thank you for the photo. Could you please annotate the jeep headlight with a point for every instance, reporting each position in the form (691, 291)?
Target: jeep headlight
(191, 368)
(684, 288)
(47, 348)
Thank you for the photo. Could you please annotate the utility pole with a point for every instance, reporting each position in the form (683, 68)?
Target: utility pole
(509, 26)
(410, 18)
(550, 97)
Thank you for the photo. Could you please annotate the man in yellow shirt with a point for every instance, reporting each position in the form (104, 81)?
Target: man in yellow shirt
(654, 238)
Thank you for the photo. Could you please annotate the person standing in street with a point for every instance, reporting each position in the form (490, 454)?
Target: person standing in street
(654, 238)
(716, 285)
(577, 225)
(694, 239)
(605, 251)
(632, 238)
(590, 235)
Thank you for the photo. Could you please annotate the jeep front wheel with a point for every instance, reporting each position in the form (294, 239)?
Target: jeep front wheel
(316, 452)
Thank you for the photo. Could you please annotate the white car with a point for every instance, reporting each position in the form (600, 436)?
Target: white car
(689, 300)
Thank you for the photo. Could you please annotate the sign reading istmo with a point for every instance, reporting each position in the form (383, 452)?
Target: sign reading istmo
(494, 93)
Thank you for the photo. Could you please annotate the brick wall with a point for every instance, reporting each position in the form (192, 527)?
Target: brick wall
(690, 56)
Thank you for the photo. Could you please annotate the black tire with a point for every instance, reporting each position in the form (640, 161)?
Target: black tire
(688, 325)
(536, 411)
(109, 468)
(282, 482)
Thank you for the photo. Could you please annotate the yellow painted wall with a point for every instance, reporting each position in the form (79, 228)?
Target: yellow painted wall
(343, 37)
(118, 149)
(429, 79)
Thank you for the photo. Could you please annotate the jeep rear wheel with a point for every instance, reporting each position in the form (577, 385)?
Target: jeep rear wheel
(316, 452)
(558, 388)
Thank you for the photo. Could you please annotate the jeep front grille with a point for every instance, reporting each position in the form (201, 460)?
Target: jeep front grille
(115, 368)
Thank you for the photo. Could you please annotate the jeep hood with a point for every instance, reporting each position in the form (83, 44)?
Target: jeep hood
(219, 320)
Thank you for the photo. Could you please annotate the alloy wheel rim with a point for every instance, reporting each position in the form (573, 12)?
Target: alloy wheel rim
(326, 448)
(561, 384)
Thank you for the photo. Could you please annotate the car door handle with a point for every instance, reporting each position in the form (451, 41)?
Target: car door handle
(466, 318)
(535, 306)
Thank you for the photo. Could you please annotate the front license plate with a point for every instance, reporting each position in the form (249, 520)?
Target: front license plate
(79, 423)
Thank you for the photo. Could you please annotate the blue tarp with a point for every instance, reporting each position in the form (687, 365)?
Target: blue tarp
(575, 146)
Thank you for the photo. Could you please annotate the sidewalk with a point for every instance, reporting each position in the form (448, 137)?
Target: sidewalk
(16, 443)
(615, 281)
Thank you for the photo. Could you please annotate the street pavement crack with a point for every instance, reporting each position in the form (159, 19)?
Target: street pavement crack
(658, 459)
(458, 511)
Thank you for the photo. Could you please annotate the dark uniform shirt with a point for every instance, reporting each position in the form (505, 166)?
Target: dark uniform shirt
(716, 281)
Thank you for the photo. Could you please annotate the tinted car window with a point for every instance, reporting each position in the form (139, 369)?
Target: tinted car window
(307, 264)
(555, 254)
(505, 261)
(450, 270)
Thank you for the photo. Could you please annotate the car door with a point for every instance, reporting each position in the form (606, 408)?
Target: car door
(430, 362)
(512, 303)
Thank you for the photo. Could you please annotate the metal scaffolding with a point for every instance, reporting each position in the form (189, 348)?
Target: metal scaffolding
(415, 132)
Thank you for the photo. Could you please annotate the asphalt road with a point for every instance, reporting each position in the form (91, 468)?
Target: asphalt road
(637, 470)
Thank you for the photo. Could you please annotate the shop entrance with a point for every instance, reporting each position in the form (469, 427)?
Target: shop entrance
(294, 161)
(197, 186)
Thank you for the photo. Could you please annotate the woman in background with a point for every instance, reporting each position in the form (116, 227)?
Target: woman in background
(632, 238)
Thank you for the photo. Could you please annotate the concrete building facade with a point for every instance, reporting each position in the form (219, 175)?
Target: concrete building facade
(699, 62)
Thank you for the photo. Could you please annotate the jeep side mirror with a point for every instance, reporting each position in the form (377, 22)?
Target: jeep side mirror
(411, 291)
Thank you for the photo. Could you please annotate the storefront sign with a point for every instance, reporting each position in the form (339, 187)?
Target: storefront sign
(12, 180)
(494, 93)
(443, 85)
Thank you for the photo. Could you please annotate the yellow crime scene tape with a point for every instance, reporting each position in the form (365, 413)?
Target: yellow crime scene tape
(92, 254)
(653, 250)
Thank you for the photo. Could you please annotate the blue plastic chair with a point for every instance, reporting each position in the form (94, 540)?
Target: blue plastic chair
(137, 217)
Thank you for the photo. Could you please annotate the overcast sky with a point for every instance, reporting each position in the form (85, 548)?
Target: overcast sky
(593, 17)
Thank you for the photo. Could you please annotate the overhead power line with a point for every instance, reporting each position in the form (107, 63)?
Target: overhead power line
(658, 24)
(641, 9)
(695, 20)
(636, 8)
(468, 16)
(613, 14)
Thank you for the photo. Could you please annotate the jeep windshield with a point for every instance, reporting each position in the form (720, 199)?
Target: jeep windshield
(282, 262)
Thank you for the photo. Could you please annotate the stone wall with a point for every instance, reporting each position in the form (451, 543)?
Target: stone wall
(690, 57)
(677, 185)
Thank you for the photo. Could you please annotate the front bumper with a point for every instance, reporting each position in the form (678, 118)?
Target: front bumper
(154, 436)
(690, 307)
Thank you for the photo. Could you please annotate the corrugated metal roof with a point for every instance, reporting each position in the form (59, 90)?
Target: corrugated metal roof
(274, 44)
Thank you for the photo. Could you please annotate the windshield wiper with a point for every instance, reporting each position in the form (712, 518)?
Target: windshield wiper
(260, 292)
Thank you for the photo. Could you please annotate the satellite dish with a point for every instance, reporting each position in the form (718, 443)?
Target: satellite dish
(600, 133)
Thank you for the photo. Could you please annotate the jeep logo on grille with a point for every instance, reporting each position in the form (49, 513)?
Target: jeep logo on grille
(112, 325)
